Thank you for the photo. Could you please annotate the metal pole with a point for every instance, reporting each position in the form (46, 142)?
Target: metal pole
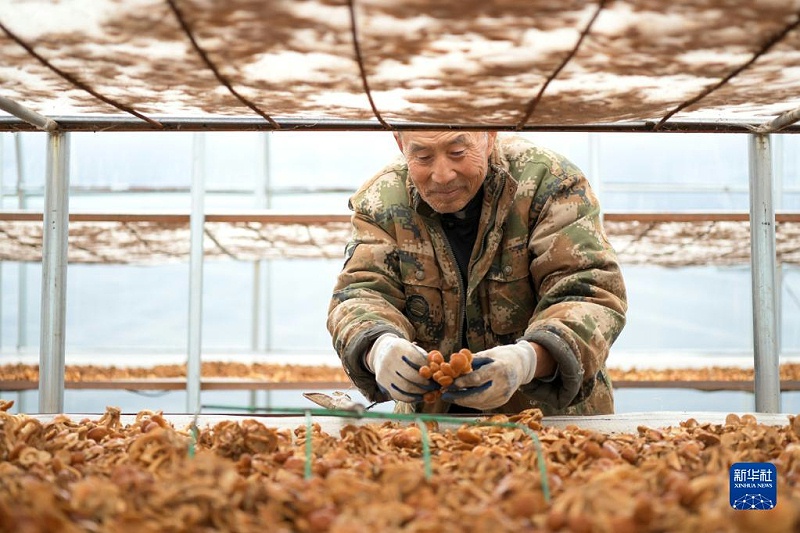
(262, 199)
(781, 121)
(2, 201)
(762, 248)
(256, 321)
(594, 167)
(255, 309)
(1, 307)
(54, 275)
(778, 173)
(2, 174)
(267, 199)
(28, 115)
(22, 288)
(196, 223)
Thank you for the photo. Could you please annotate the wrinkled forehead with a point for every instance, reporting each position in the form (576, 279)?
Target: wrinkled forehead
(417, 140)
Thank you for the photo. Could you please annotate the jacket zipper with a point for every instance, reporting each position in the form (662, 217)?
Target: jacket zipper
(462, 291)
(496, 203)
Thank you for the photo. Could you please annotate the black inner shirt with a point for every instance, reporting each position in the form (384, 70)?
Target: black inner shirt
(461, 230)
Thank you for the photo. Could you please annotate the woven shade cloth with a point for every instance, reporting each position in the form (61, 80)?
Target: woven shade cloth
(151, 63)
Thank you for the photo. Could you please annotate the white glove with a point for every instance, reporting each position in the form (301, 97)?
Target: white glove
(396, 363)
(497, 374)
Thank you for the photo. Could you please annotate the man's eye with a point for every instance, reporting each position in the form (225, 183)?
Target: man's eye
(424, 158)
(458, 153)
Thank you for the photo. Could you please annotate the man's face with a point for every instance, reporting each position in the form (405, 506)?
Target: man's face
(448, 168)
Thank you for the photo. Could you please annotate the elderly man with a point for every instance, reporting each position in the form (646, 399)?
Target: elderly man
(486, 242)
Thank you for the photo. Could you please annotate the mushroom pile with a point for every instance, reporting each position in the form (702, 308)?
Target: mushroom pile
(242, 475)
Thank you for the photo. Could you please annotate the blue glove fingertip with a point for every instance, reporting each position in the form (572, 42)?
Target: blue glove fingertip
(415, 397)
(478, 362)
(410, 363)
(429, 386)
(453, 395)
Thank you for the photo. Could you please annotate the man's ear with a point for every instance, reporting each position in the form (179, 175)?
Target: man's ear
(491, 136)
(399, 140)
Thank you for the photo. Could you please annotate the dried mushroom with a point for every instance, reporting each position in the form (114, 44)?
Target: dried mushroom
(106, 476)
(444, 372)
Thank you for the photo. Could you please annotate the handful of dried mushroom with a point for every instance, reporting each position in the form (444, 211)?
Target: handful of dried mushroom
(445, 372)
(108, 475)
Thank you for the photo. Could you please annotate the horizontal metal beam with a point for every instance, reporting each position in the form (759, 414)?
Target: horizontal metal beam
(267, 217)
(276, 217)
(124, 123)
(89, 190)
(692, 217)
(229, 384)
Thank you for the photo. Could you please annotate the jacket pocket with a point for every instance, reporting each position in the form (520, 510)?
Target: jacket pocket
(424, 306)
(510, 294)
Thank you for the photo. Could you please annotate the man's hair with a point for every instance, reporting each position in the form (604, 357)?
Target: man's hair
(399, 133)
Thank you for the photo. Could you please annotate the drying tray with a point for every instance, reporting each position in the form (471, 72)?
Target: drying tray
(616, 423)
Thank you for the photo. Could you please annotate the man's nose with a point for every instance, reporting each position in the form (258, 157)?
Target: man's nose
(442, 170)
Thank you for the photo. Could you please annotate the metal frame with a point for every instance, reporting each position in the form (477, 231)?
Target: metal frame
(54, 260)
(249, 123)
(196, 223)
(261, 322)
(763, 270)
(762, 213)
(27, 116)
(54, 275)
(22, 289)
(2, 194)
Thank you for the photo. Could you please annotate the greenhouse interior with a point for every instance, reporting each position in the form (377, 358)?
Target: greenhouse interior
(126, 306)
(177, 185)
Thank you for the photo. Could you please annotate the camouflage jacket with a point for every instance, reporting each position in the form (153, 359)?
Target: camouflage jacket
(542, 270)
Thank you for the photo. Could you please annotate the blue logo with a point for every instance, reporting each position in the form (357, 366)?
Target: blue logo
(753, 486)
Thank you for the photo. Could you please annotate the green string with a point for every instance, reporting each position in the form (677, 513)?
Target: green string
(193, 440)
(537, 446)
(539, 460)
(417, 418)
(426, 449)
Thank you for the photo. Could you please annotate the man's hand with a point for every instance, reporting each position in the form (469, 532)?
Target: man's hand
(497, 373)
(396, 363)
